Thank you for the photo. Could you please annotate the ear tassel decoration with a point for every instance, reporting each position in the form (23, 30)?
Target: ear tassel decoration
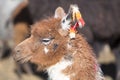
(77, 18)
(73, 31)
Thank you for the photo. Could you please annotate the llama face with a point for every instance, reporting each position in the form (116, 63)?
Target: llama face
(47, 43)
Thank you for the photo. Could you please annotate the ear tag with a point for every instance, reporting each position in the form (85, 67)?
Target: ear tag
(72, 31)
(77, 19)
(76, 16)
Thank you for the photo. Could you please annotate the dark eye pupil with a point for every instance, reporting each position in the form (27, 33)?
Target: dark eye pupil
(63, 21)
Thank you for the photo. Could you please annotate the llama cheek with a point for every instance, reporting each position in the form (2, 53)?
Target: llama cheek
(46, 50)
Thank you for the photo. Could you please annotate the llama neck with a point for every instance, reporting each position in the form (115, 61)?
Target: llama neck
(55, 72)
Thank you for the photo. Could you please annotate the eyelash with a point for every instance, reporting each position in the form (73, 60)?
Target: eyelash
(46, 41)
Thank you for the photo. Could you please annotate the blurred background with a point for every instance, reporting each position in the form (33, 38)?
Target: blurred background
(102, 31)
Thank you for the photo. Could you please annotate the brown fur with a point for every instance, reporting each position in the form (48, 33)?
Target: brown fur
(84, 61)
(33, 46)
(84, 65)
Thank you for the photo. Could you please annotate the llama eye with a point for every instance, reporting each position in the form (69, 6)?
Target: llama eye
(46, 41)
(63, 21)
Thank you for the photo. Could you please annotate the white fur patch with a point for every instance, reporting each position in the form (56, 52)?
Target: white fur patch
(46, 50)
(55, 71)
(99, 74)
(65, 24)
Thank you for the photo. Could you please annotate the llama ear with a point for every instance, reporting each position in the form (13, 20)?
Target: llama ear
(59, 13)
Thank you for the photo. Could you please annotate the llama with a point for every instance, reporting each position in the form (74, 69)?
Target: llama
(53, 50)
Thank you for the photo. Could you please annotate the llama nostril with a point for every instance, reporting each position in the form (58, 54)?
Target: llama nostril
(18, 51)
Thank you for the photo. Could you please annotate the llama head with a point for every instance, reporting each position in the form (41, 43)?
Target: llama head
(47, 43)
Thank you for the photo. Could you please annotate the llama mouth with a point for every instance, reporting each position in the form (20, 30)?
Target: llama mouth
(23, 59)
